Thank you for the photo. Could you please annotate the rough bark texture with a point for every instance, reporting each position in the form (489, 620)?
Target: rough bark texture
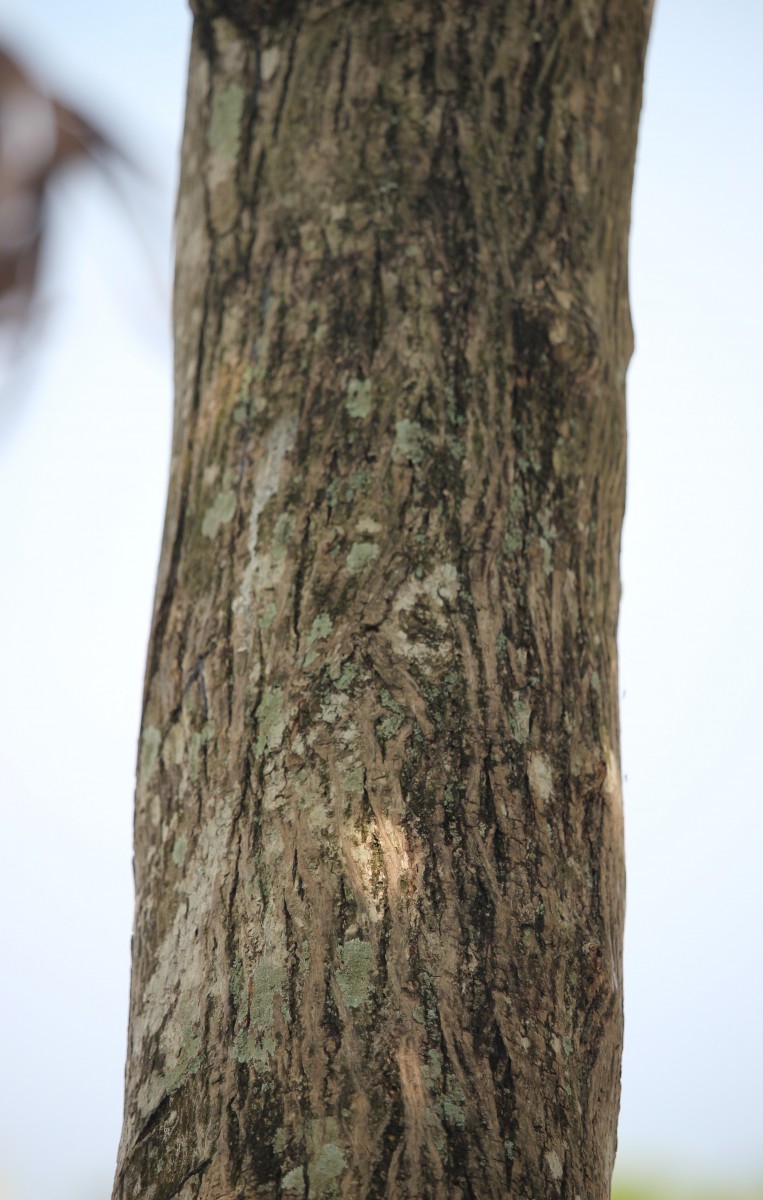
(378, 844)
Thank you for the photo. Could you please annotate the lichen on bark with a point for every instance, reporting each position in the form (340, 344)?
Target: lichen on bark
(378, 842)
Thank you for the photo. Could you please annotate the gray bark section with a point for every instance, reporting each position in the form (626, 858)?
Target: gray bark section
(378, 842)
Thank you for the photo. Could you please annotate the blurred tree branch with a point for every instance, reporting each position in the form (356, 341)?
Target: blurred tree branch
(39, 137)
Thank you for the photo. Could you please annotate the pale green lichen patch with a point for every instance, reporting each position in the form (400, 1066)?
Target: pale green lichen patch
(237, 983)
(249, 376)
(179, 850)
(320, 628)
(255, 1042)
(513, 537)
(149, 752)
(354, 978)
(332, 493)
(304, 957)
(219, 513)
(358, 402)
(346, 677)
(326, 1169)
(391, 722)
(453, 1101)
(294, 1181)
(436, 1130)
(547, 539)
(267, 618)
(434, 1066)
(282, 531)
(353, 781)
(270, 721)
(225, 126)
(361, 554)
(410, 443)
(187, 1061)
(511, 542)
(358, 482)
(319, 818)
(268, 980)
(520, 718)
(449, 1103)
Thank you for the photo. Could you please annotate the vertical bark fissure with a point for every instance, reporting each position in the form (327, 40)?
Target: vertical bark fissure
(378, 837)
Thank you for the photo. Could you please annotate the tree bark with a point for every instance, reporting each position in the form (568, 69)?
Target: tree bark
(378, 834)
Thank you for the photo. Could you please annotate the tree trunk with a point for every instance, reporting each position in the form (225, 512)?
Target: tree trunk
(378, 840)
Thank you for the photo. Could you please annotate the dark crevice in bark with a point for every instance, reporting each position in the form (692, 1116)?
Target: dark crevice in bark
(286, 80)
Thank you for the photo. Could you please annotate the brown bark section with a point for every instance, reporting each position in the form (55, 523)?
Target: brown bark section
(378, 845)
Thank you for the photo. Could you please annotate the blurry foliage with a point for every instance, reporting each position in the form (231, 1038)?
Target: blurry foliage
(656, 1189)
(39, 137)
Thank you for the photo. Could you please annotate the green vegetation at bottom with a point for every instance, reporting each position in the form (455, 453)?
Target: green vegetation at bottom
(630, 1188)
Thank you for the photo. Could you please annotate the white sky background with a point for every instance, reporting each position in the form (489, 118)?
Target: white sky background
(84, 448)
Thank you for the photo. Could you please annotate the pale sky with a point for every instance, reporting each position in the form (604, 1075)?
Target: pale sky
(84, 446)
